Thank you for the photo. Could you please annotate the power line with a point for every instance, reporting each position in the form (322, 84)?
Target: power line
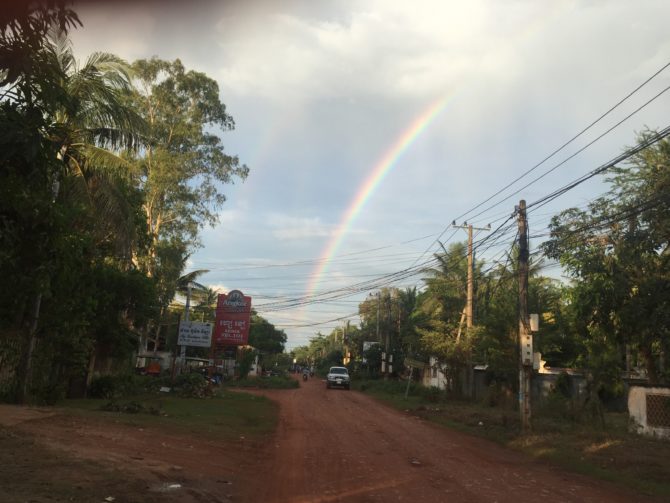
(575, 137)
(559, 149)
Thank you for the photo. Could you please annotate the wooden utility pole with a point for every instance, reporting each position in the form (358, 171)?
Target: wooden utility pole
(525, 336)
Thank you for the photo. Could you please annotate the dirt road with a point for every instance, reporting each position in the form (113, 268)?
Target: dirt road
(331, 445)
(338, 445)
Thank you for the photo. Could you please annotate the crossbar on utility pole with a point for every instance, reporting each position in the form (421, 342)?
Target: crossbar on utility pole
(525, 337)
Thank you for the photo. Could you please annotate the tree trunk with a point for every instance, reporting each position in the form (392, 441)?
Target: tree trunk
(650, 364)
(89, 372)
(25, 366)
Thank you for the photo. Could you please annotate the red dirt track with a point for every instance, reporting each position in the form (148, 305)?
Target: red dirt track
(331, 445)
(338, 445)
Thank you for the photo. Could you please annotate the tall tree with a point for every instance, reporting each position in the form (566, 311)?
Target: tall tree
(264, 336)
(618, 254)
(443, 308)
(57, 121)
(184, 161)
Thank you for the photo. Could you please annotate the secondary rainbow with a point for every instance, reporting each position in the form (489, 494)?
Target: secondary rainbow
(381, 169)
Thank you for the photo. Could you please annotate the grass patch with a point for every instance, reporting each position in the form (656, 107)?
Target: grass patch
(226, 416)
(578, 444)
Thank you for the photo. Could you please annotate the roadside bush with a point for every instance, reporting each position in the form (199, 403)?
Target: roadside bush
(432, 394)
(116, 386)
(499, 395)
(104, 387)
(390, 387)
(563, 385)
(193, 385)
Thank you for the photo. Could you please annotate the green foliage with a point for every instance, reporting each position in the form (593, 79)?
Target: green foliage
(280, 362)
(122, 385)
(389, 387)
(563, 386)
(246, 359)
(264, 336)
(373, 360)
(617, 252)
(193, 385)
(98, 209)
(183, 163)
(432, 394)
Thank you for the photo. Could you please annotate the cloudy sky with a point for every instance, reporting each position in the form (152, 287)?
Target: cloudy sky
(368, 126)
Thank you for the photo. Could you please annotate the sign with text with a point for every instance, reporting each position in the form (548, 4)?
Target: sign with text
(233, 319)
(193, 333)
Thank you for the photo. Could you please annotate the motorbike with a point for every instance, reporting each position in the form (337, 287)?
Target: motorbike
(305, 375)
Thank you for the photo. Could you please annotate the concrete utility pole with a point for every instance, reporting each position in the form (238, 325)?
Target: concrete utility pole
(525, 336)
(469, 309)
(469, 306)
(377, 295)
(182, 355)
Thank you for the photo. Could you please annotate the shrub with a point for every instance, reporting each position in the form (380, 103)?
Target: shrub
(103, 387)
(432, 394)
(116, 386)
(193, 385)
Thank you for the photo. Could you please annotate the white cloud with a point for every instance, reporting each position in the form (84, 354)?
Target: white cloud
(285, 227)
(383, 48)
(219, 287)
(131, 39)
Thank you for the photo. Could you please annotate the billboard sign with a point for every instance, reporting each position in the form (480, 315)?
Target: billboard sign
(233, 319)
(193, 333)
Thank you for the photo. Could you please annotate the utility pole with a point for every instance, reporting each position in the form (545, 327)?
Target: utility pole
(182, 355)
(525, 336)
(469, 309)
(378, 338)
(469, 306)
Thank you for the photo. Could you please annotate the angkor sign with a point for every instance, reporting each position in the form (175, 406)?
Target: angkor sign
(233, 318)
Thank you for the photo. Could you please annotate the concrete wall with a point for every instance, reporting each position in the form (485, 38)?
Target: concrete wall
(433, 374)
(655, 422)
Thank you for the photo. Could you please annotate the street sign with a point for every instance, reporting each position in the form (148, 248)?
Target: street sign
(193, 333)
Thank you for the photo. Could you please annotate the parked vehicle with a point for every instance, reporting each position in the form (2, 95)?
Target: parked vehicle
(338, 376)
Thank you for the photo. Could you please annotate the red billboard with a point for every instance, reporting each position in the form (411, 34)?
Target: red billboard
(233, 318)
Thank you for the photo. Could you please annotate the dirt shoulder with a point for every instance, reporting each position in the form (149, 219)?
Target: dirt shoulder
(55, 455)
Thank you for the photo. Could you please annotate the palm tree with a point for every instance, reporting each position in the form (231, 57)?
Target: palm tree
(184, 285)
(87, 120)
(94, 124)
(207, 299)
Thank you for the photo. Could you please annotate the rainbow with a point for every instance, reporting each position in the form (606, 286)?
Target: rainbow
(382, 168)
